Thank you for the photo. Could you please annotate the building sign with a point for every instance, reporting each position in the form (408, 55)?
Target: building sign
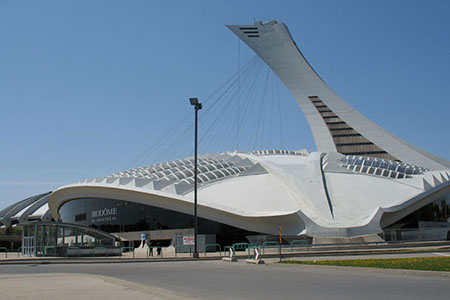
(104, 215)
(188, 240)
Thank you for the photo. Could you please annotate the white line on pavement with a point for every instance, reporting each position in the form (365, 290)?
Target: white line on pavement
(441, 254)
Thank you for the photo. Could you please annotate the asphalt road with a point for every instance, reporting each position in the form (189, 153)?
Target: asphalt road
(221, 280)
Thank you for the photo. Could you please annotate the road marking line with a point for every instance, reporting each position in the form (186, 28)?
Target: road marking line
(441, 254)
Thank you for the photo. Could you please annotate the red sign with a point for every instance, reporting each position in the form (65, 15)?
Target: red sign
(188, 240)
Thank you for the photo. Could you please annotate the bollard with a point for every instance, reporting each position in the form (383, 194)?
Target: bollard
(231, 257)
(257, 257)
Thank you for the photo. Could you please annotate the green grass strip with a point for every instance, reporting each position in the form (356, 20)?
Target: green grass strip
(416, 263)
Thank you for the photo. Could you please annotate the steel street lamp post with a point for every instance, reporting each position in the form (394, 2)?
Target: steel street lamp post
(197, 107)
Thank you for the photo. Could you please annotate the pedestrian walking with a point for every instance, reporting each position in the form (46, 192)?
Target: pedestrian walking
(150, 249)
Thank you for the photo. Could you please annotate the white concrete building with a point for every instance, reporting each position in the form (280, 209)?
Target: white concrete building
(361, 180)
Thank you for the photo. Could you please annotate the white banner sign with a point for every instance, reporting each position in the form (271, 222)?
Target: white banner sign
(188, 240)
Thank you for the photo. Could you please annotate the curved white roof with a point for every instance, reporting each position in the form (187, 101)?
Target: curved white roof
(315, 194)
(35, 207)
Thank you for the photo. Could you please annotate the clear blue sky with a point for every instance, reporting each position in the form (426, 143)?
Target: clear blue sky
(86, 86)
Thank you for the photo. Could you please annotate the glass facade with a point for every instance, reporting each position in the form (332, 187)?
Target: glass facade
(431, 222)
(111, 215)
(433, 213)
(54, 239)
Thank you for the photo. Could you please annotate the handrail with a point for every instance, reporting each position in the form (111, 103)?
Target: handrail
(183, 246)
(73, 247)
(106, 250)
(239, 246)
(49, 247)
(301, 242)
(242, 246)
(6, 251)
(215, 246)
(125, 248)
(268, 243)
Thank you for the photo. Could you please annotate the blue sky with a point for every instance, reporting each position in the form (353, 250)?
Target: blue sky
(88, 86)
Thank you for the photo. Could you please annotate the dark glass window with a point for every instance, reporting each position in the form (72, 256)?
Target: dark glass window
(80, 217)
(112, 215)
(368, 162)
(437, 211)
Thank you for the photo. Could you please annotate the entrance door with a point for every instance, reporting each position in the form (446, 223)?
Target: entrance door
(28, 245)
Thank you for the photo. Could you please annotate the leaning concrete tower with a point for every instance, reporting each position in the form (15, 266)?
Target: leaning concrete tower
(336, 126)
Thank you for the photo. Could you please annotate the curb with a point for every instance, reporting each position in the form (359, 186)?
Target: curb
(421, 273)
(59, 260)
(37, 261)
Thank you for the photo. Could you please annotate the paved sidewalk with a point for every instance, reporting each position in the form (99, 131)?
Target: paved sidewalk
(216, 280)
(66, 286)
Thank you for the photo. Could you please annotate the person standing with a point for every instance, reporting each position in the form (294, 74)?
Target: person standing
(158, 249)
(150, 249)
